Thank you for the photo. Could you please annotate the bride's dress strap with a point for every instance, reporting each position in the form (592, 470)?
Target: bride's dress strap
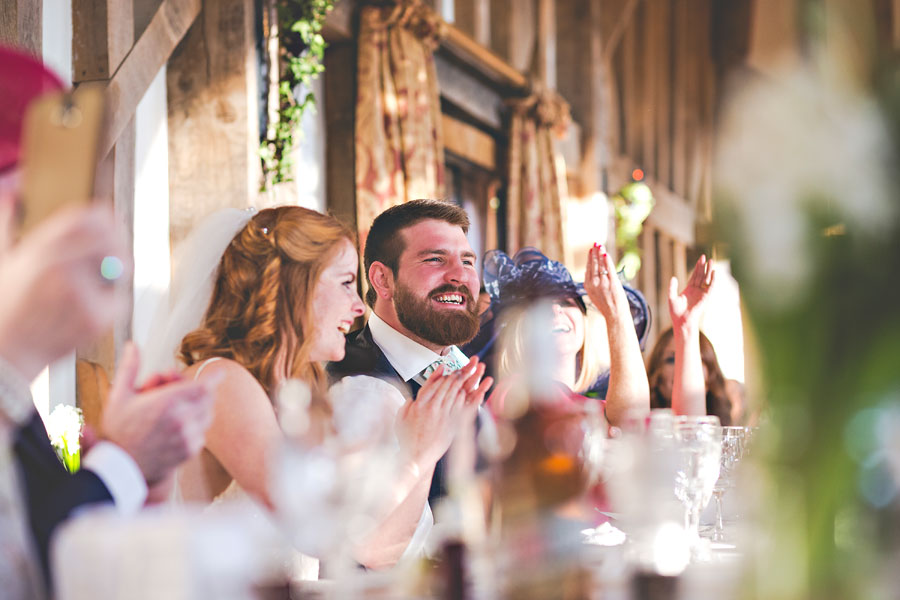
(203, 366)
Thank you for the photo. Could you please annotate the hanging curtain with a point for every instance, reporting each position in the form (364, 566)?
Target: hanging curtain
(399, 143)
(537, 179)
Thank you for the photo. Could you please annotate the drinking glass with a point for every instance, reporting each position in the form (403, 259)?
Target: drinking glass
(699, 446)
(734, 446)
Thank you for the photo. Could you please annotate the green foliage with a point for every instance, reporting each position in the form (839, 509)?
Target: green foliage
(302, 49)
(633, 204)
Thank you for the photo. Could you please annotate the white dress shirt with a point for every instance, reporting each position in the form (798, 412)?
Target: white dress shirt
(408, 357)
(120, 474)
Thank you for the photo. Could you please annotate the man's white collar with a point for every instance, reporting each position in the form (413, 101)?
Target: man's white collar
(407, 356)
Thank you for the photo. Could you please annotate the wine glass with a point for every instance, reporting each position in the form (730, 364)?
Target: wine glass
(699, 446)
(734, 445)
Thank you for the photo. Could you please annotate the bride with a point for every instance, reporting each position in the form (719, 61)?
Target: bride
(279, 295)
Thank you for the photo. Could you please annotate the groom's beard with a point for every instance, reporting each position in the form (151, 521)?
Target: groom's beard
(442, 327)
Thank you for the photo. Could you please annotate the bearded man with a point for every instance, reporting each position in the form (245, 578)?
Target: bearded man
(422, 288)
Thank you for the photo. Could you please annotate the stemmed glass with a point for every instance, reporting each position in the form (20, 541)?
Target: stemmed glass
(699, 443)
(734, 444)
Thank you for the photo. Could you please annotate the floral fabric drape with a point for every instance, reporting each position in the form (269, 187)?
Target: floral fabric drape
(537, 185)
(399, 143)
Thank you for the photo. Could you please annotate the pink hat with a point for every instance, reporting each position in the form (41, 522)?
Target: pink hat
(22, 79)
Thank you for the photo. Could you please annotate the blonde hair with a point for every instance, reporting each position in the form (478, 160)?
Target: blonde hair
(260, 311)
(591, 360)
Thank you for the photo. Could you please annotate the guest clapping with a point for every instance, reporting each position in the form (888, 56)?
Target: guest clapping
(55, 298)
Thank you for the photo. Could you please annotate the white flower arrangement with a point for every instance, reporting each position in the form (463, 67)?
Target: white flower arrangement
(64, 428)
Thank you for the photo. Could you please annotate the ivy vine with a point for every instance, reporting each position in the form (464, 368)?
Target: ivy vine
(301, 50)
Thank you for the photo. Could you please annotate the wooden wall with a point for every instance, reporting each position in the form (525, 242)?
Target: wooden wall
(663, 85)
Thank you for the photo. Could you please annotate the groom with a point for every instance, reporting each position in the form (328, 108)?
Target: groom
(422, 289)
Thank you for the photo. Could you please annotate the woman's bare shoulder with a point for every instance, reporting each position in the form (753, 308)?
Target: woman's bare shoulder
(234, 377)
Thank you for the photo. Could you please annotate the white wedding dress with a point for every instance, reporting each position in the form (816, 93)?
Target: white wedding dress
(365, 409)
(360, 403)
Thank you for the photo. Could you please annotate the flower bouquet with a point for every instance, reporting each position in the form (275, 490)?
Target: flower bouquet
(64, 428)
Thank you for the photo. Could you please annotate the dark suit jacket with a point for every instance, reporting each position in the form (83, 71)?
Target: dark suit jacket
(364, 357)
(52, 493)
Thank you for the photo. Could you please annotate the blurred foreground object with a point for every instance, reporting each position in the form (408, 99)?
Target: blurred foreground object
(807, 188)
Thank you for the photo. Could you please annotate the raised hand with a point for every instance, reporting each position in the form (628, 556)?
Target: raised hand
(628, 389)
(601, 282)
(53, 294)
(158, 427)
(686, 308)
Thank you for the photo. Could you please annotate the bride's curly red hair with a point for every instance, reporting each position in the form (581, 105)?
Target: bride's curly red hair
(260, 311)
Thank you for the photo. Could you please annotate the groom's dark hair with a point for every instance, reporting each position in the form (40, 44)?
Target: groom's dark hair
(384, 243)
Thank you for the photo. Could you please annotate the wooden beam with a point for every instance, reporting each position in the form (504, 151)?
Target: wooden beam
(680, 46)
(619, 21)
(630, 113)
(103, 34)
(338, 25)
(212, 91)
(474, 18)
(340, 117)
(666, 269)
(672, 214)
(482, 30)
(473, 54)
(895, 21)
(21, 24)
(149, 54)
(143, 14)
(115, 181)
(663, 172)
(469, 143)
(513, 31)
(647, 277)
(650, 73)
(546, 42)
(477, 99)
(679, 261)
(696, 32)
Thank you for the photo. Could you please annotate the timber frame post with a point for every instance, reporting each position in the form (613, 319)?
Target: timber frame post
(105, 52)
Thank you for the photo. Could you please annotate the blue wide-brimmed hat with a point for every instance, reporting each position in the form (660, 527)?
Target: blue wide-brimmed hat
(530, 275)
(527, 276)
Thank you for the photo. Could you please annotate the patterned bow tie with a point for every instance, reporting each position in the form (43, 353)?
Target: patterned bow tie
(452, 361)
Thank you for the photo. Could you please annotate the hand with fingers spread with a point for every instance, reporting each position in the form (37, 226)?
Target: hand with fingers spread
(160, 426)
(686, 308)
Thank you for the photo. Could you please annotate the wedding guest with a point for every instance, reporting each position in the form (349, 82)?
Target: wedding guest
(683, 370)
(661, 373)
(54, 299)
(276, 293)
(588, 341)
(422, 288)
